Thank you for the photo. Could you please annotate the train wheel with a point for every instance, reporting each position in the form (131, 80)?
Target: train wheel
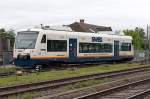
(38, 67)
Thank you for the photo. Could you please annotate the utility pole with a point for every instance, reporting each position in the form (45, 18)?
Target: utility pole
(147, 48)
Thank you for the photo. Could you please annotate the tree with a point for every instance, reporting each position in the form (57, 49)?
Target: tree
(140, 31)
(138, 36)
(2, 30)
(8, 35)
(11, 36)
(3, 33)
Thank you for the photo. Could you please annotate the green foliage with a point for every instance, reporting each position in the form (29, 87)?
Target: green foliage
(82, 84)
(8, 35)
(140, 31)
(138, 36)
(11, 36)
(8, 69)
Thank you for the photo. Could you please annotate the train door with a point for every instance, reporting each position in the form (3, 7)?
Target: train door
(43, 45)
(72, 48)
(116, 48)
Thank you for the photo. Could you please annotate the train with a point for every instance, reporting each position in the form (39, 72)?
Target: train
(38, 47)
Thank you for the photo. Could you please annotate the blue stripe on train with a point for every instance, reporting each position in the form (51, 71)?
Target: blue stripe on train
(31, 63)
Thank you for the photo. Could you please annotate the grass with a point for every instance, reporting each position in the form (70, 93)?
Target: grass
(83, 84)
(27, 95)
(58, 74)
(88, 83)
(7, 69)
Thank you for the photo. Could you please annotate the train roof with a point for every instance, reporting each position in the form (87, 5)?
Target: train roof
(102, 33)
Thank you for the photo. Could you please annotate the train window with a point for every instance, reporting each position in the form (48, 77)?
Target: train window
(91, 48)
(95, 48)
(126, 47)
(80, 48)
(107, 48)
(101, 48)
(56, 45)
(85, 47)
(43, 39)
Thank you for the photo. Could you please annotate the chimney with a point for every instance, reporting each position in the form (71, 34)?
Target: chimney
(41, 26)
(82, 21)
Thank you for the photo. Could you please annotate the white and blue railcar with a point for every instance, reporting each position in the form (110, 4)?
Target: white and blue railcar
(38, 47)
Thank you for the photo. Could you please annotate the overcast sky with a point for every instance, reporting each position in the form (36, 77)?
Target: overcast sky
(120, 14)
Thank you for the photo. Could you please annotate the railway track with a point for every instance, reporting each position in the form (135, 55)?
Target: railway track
(134, 90)
(6, 74)
(64, 66)
(7, 91)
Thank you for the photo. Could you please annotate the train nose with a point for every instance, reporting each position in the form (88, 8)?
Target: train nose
(24, 57)
(26, 51)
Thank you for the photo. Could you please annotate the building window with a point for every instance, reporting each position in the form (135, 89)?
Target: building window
(57, 45)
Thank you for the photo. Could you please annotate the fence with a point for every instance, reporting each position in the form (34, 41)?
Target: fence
(6, 57)
(142, 55)
(139, 54)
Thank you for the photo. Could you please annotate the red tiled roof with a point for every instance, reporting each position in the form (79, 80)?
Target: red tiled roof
(84, 27)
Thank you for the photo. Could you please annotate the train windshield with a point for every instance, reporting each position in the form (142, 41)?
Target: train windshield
(26, 40)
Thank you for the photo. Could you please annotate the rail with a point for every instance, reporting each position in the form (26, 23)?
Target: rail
(107, 93)
(6, 91)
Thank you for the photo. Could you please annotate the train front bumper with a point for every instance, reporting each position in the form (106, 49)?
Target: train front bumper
(23, 61)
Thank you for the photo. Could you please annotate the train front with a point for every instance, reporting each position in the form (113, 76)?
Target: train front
(24, 45)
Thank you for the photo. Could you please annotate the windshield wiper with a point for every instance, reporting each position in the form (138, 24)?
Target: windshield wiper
(29, 45)
(21, 47)
(34, 41)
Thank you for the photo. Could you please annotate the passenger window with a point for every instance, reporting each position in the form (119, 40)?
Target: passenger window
(95, 48)
(43, 39)
(126, 47)
(56, 45)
